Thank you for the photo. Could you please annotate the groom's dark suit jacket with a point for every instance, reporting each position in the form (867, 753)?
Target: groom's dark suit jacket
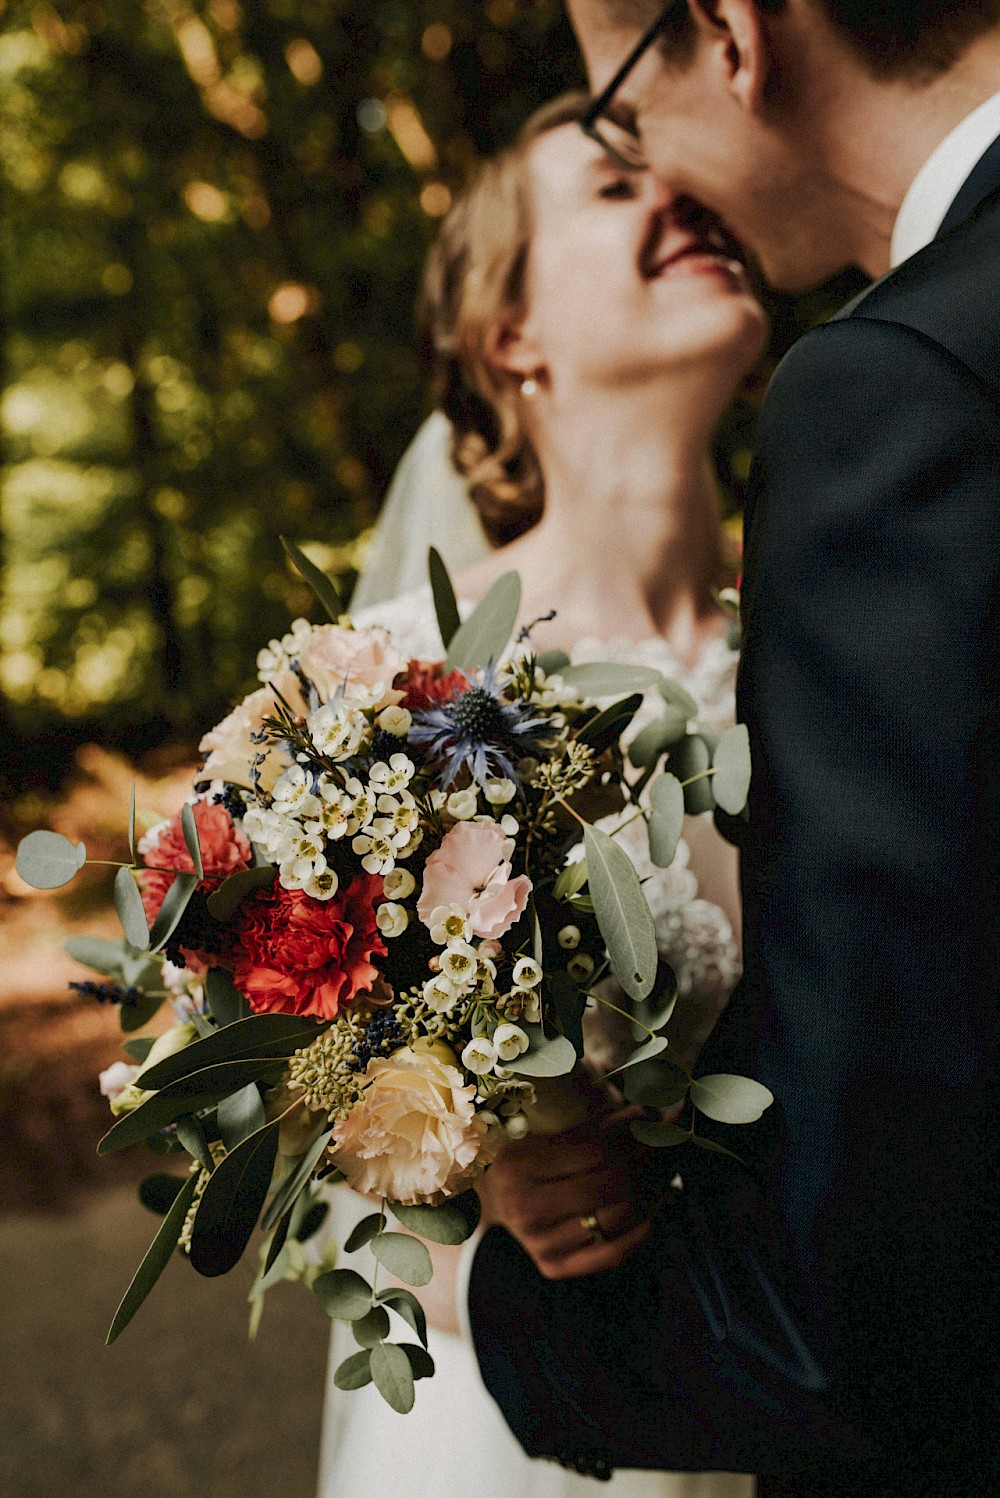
(828, 1314)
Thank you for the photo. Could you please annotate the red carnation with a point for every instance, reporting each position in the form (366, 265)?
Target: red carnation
(426, 684)
(306, 956)
(225, 849)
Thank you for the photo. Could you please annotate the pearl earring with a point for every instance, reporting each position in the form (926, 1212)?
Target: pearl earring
(529, 388)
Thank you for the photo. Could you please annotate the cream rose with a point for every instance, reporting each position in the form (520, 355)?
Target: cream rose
(230, 747)
(360, 661)
(415, 1136)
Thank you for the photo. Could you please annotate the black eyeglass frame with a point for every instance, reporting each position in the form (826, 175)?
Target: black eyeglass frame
(589, 122)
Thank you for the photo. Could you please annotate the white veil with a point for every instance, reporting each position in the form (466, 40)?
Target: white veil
(427, 505)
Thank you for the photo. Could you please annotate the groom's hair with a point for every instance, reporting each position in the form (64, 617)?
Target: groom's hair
(894, 38)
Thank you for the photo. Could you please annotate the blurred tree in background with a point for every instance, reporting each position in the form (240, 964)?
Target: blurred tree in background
(215, 214)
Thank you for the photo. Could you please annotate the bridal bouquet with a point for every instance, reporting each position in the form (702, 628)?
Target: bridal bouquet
(379, 919)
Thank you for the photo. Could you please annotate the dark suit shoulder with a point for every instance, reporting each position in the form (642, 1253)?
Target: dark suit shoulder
(949, 293)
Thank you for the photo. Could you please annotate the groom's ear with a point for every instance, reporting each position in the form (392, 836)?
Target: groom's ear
(736, 33)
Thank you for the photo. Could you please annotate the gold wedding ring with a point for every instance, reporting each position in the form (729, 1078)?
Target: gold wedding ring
(593, 1229)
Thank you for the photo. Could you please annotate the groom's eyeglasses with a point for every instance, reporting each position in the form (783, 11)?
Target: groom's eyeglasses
(621, 144)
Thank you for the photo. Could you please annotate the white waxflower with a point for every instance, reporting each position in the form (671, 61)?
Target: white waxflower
(524, 1003)
(395, 720)
(479, 1056)
(322, 884)
(527, 973)
(365, 698)
(517, 1127)
(462, 805)
(391, 919)
(510, 826)
(393, 777)
(261, 825)
(580, 967)
(399, 883)
(459, 962)
(404, 814)
(338, 729)
(336, 810)
(437, 798)
(450, 923)
(499, 792)
(271, 659)
(376, 848)
(362, 803)
(510, 1042)
(486, 969)
(293, 793)
(569, 938)
(441, 994)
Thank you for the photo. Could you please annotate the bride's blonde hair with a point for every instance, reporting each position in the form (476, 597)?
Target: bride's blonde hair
(474, 275)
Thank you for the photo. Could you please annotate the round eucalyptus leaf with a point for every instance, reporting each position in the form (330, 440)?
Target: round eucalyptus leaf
(668, 730)
(47, 860)
(343, 1294)
(407, 1306)
(128, 904)
(674, 695)
(655, 1084)
(371, 1329)
(666, 819)
(731, 781)
(730, 1099)
(364, 1232)
(393, 1376)
(405, 1257)
(354, 1372)
(653, 1047)
(421, 1361)
(450, 1223)
(693, 756)
(659, 1135)
(549, 1058)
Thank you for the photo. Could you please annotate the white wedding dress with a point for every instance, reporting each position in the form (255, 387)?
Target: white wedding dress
(455, 1441)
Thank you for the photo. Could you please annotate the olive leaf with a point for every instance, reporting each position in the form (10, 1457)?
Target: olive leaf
(622, 913)
(240, 1115)
(175, 903)
(187, 1095)
(225, 1002)
(485, 634)
(260, 1037)
(231, 1203)
(295, 1182)
(322, 586)
(47, 860)
(445, 603)
(156, 1259)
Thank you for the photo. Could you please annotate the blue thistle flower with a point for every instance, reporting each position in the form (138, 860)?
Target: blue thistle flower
(479, 729)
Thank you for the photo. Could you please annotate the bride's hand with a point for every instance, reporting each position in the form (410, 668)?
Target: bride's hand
(569, 1199)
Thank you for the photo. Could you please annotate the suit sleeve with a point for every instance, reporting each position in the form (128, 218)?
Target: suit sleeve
(780, 1306)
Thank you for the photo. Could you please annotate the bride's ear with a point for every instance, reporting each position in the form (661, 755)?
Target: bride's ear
(737, 34)
(510, 349)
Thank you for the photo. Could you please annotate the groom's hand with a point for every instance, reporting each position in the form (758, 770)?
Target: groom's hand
(543, 1190)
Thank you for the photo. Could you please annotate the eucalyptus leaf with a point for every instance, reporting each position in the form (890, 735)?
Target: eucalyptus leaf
(655, 1084)
(354, 1372)
(187, 1095)
(131, 823)
(666, 819)
(371, 1329)
(115, 960)
(240, 1115)
(730, 1099)
(231, 1202)
(568, 1002)
(364, 1232)
(405, 1257)
(322, 586)
(659, 1135)
(486, 633)
(224, 902)
(296, 1180)
(693, 756)
(622, 913)
(654, 1012)
(407, 1306)
(47, 860)
(552, 662)
(445, 603)
(157, 1257)
(421, 1362)
(393, 1376)
(609, 678)
(554, 1057)
(260, 1036)
(134, 1016)
(159, 1191)
(139, 1049)
(653, 1047)
(674, 695)
(571, 880)
(275, 1252)
(343, 1294)
(657, 737)
(225, 1002)
(174, 905)
(190, 829)
(731, 781)
(715, 1149)
(607, 727)
(128, 905)
(450, 1223)
(192, 1136)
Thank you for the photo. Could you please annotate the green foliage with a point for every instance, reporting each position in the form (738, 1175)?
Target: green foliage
(261, 1036)
(731, 781)
(47, 860)
(666, 819)
(451, 1223)
(443, 592)
(393, 1376)
(128, 904)
(485, 634)
(730, 1099)
(622, 913)
(231, 1203)
(157, 1258)
(299, 1174)
(343, 1294)
(405, 1257)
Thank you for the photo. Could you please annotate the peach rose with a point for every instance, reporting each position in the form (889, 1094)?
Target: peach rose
(360, 660)
(229, 745)
(472, 869)
(415, 1136)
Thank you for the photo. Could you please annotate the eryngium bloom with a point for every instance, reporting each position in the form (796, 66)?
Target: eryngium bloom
(479, 729)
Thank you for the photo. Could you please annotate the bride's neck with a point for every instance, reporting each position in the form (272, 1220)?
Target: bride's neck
(629, 543)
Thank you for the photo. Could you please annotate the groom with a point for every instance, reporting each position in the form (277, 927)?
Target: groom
(826, 1314)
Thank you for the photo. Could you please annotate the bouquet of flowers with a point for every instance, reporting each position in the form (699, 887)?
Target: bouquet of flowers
(379, 919)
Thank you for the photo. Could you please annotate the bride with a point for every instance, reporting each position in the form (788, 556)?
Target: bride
(589, 332)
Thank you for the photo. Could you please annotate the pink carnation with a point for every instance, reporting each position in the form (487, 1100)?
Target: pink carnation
(353, 659)
(225, 849)
(472, 869)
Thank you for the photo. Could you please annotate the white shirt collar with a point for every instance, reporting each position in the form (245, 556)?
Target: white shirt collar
(940, 179)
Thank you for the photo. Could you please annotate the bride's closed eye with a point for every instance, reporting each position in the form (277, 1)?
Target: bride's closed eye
(620, 187)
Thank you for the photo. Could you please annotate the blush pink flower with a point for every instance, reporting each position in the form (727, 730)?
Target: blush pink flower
(230, 747)
(357, 660)
(472, 869)
(225, 849)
